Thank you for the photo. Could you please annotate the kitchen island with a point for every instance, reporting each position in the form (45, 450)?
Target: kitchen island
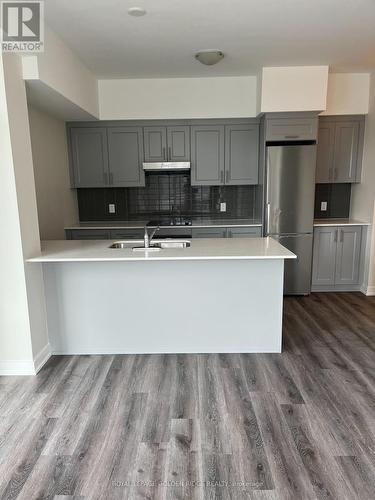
(214, 296)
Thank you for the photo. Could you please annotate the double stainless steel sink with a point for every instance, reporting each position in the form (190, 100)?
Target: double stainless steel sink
(155, 246)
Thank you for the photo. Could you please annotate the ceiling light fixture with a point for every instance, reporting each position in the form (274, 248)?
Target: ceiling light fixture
(136, 11)
(209, 57)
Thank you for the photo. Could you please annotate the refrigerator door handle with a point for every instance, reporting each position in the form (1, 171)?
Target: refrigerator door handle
(268, 209)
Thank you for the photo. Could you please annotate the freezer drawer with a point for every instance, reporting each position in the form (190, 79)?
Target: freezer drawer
(297, 272)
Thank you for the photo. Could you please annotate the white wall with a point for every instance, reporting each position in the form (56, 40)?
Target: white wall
(61, 70)
(348, 94)
(23, 327)
(297, 88)
(227, 97)
(57, 202)
(363, 194)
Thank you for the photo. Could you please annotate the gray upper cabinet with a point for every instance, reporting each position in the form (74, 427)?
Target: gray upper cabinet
(348, 255)
(167, 143)
(207, 155)
(155, 143)
(291, 129)
(346, 151)
(89, 156)
(241, 154)
(336, 256)
(325, 151)
(125, 147)
(340, 147)
(178, 143)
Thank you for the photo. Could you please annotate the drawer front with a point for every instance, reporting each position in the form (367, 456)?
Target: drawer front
(209, 232)
(244, 232)
(127, 234)
(296, 129)
(89, 234)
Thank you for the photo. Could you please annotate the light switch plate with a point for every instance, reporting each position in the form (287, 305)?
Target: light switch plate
(223, 207)
(323, 206)
(112, 208)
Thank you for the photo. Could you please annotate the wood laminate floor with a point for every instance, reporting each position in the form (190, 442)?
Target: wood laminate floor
(299, 426)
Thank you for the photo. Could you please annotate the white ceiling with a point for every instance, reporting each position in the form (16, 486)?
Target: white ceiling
(251, 33)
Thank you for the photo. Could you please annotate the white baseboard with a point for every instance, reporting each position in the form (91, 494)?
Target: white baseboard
(42, 357)
(369, 291)
(17, 367)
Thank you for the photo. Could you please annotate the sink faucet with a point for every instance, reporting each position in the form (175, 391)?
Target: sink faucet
(148, 237)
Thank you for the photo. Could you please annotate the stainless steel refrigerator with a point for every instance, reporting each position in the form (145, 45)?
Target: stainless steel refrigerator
(289, 208)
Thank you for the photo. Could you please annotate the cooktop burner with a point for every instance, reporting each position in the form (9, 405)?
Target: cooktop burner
(171, 221)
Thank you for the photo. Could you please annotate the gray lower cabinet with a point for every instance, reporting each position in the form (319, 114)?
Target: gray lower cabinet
(167, 143)
(89, 157)
(127, 234)
(339, 150)
(209, 232)
(291, 129)
(125, 149)
(207, 155)
(244, 232)
(241, 154)
(336, 257)
(87, 234)
(227, 232)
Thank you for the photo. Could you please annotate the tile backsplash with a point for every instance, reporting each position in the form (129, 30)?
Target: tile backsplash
(169, 193)
(337, 197)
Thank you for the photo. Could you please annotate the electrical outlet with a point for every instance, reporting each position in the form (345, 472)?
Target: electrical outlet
(112, 208)
(323, 206)
(223, 207)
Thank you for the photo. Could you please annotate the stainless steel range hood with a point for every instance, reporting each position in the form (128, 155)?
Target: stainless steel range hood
(165, 166)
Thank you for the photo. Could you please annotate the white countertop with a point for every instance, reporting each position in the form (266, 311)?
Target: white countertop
(200, 249)
(339, 222)
(199, 222)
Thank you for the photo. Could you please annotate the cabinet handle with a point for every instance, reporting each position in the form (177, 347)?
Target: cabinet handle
(111, 178)
(169, 153)
(341, 235)
(164, 154)
(330, 176)
(222, 176)
(227, 176)
(336, 234)
(335, 174)
(105, 177)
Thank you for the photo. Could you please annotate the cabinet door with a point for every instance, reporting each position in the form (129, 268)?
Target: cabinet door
(324, 256)
(178, 140)
(89, 156)
(346, 151)
(207, 155)
(90, 234)
(209, 232)
(125, 151)
(241, 154)
(244, 232)
(324, 153)
(155, 143)
(291, 129)
(348, 255)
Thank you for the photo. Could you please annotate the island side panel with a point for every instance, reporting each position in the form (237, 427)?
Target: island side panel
(165, 307)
